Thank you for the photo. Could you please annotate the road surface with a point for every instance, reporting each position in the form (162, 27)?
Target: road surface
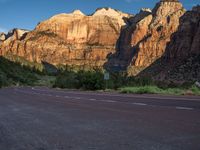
(49, 119)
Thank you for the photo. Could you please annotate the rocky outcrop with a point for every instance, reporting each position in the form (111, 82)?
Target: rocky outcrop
(16, 34)
(2, 36)
(186, 41)
(145, 39)
(73, 39)
(181, 61)
(182, 56)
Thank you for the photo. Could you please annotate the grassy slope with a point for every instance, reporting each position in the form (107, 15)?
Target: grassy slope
(156, 90)
(14, 74)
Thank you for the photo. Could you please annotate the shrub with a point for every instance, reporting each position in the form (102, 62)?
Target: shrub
(66, 80)
(90, 80)
(139, 81)
(13, 73)
(142, 90)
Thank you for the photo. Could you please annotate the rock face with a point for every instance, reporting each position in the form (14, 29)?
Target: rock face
(16, 34)
(186, 41)
(183, 52)
(144, 40)
(164, 41)
(73, 39)
(181, 61)
(2, 36)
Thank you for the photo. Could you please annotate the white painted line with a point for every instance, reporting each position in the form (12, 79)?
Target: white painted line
(77, 97)
(140, 104)
(92, 99)
(121, 95)
(184, 108)
(108, 101)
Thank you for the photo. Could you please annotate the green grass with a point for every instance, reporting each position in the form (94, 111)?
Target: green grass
(156, 90)
(45, 81)
(12, 73)
(195, 90)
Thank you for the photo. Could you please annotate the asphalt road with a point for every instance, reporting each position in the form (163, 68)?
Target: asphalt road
(49, 119)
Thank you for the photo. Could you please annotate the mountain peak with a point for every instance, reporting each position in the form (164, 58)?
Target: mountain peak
(2, 36)
(78, 12)
(169, 1)
(167, 7)
(107, 11)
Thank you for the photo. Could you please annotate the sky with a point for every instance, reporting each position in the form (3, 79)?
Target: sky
(26, 14)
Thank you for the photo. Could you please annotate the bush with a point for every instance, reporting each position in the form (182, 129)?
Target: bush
(94, 80)
(142, 90)
(13, 73)
(66, 80)
(139, 81)
(88, 80)
(1, 82)
(117, 80)
(91, 80)
(195, 90)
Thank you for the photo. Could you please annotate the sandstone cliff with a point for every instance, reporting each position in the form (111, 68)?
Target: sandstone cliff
(2, 36)
(145, 39)
(181, 61)
(186, 41)
(73, 39)
(164, 41)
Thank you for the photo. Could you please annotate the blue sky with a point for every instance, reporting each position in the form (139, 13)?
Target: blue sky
(26, 14)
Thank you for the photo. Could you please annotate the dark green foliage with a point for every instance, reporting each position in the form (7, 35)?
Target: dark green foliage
(35, 67)
(88, 80)
(136, 81)
(91, 80)
(66, 80)
(117, 79)
(94, 80)
(13, 73)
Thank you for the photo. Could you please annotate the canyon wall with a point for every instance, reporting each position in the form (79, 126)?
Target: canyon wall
(162, 43)
(144, 40)
(73, 39)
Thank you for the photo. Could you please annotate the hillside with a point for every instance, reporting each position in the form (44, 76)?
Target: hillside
(14, 74)
(162, 43)
(181, 60)
(75, 39)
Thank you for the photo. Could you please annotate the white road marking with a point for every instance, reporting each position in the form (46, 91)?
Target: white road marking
(184, 108)
(92, 99)
(121, 95)
(108, 101)
(140, 104)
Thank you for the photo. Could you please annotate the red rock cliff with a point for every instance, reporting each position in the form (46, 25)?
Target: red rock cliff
(144, 40)
(73, 39)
